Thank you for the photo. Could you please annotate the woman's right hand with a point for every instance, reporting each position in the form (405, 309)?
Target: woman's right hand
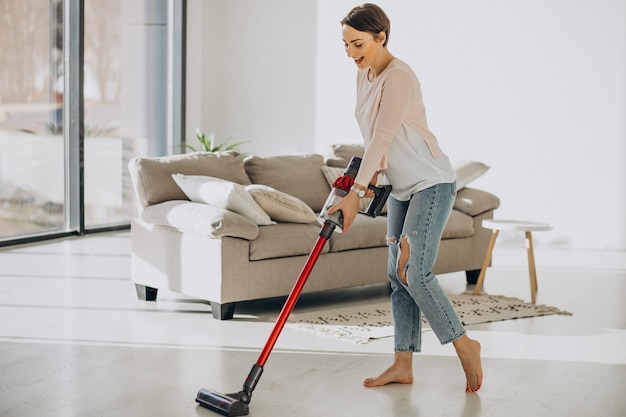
(349, 206)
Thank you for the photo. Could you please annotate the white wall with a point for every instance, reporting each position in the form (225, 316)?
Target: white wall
(251, 72)
(534, 88)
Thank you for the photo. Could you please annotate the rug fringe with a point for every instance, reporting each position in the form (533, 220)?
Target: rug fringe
(543, 308)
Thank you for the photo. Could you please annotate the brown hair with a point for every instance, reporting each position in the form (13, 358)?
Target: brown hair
(369, 18)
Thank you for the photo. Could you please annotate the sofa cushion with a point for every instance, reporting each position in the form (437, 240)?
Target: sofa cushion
(152, 177)
(459, 225)
(474, 202)
(297, 175)
(284, 239)
(200, 218)
(223, 194)
(365, 232)
(280, 206)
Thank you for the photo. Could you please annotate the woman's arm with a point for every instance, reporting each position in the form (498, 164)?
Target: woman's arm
(393, 108)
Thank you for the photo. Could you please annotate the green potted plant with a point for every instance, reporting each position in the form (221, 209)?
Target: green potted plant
(208, 143)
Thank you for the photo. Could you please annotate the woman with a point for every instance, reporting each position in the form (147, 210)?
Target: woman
(392, 119)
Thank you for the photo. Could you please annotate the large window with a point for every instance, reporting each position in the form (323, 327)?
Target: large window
(125, 69)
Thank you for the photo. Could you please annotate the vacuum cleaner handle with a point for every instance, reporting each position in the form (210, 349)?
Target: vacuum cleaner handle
(376, 204)
(340, 190)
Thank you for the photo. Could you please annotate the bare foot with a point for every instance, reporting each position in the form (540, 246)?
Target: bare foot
(401, 372)
(468, 351)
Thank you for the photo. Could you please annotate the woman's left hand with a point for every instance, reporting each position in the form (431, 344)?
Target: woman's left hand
(349, 206)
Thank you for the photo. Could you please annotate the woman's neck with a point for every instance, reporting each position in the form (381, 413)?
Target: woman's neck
(381, 63)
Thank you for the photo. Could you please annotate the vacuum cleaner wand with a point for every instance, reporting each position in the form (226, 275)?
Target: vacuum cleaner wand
(236, 404)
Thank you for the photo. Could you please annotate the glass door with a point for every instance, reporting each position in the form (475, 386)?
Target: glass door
(32, 182)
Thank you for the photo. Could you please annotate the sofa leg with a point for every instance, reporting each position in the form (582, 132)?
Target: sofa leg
(222, 311)
(472, 276)
(146, 293)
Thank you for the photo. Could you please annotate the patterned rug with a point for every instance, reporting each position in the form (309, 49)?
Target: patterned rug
(360, 324)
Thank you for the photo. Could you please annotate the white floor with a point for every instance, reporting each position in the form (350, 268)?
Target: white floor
(75, 341)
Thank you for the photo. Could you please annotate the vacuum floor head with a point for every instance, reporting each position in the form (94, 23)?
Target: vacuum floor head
(229, 405)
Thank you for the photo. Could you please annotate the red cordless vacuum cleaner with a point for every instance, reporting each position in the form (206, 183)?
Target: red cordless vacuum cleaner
(236, 404)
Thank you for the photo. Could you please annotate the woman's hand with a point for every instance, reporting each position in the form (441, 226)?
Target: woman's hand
(349, 206)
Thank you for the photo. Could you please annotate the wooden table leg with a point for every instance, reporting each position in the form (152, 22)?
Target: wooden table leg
(483, 270)
(531, 267)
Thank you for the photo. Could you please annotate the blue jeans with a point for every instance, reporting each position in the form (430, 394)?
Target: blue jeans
(420, 221)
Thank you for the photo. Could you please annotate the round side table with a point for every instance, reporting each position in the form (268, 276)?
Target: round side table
(517, 225)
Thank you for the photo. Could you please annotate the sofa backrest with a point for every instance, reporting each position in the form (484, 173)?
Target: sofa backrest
(152, 176)
(298, 175)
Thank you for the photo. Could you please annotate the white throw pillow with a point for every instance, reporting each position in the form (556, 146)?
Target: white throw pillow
(224, 194)
(280, 206)
(468, 171)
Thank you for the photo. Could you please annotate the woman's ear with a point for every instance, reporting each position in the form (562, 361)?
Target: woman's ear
(382, 37)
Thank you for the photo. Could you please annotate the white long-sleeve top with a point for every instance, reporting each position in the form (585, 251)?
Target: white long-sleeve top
(392, 118)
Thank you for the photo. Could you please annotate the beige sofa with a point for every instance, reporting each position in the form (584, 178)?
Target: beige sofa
(210, 252)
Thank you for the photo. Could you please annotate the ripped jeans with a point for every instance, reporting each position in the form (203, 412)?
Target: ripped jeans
(414, 230)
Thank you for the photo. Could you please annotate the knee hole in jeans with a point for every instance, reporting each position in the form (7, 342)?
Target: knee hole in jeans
(404, 253)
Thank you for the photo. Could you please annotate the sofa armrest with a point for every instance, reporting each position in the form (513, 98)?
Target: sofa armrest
(473, 202)
(202, 219)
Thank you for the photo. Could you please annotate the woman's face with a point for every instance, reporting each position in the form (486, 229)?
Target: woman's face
(361, 46)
